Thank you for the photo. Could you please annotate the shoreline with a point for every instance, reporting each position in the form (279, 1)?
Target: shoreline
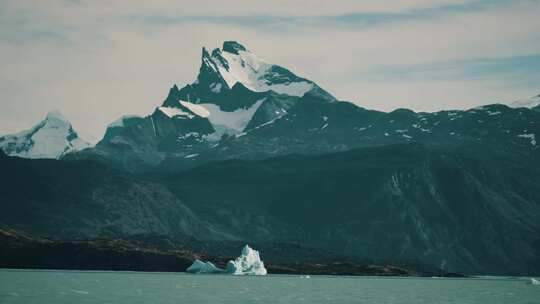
(22, 251)
(299, 275)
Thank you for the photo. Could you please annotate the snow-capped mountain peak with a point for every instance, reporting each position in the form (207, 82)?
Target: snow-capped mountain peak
(234, 63)
(53, 137)
(234, 92)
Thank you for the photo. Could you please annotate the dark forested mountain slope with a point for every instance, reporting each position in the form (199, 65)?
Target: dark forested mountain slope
(408, 202)
(86, 199)
(398, 202)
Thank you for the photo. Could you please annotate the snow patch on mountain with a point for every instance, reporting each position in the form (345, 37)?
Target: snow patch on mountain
(529, 136)
(235, 121)
(174, 112)
(198, 109)
(53, 137)
(215, 87)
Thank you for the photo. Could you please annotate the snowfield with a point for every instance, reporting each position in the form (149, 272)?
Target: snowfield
(235, 121)
(174, 112)
(53, 137)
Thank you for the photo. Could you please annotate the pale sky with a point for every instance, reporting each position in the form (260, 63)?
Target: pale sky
(97, 60)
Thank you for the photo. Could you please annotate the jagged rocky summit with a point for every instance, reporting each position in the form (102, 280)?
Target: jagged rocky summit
(234, 92)
(53, 137)
(233, 87)
(248, 263)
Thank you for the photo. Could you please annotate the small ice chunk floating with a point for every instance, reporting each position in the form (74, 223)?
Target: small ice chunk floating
(203, 267)
(248, 263)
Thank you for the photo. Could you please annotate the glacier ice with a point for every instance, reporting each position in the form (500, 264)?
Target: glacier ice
(203, 267)
(235, 121)
(248, 263)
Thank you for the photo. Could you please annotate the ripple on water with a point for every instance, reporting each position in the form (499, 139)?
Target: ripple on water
(31, 287)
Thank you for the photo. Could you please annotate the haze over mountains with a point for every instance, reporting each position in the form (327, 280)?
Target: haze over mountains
(252, 152)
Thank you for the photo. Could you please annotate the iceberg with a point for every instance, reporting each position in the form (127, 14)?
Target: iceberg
(203, 267)
(248, 263)
(533, 281)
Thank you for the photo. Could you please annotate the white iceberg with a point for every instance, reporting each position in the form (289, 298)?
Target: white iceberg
(533, 281)
(248, 263)
(203, 267)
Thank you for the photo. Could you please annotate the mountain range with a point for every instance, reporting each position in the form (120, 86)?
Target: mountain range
(252, 152)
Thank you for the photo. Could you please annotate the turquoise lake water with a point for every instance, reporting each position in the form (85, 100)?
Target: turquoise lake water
(28, 286)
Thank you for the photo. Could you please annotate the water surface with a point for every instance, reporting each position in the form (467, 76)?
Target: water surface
(38, 286)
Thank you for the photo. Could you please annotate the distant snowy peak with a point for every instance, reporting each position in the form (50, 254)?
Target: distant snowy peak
(526, 103)
(234, 63)
(53, 137)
